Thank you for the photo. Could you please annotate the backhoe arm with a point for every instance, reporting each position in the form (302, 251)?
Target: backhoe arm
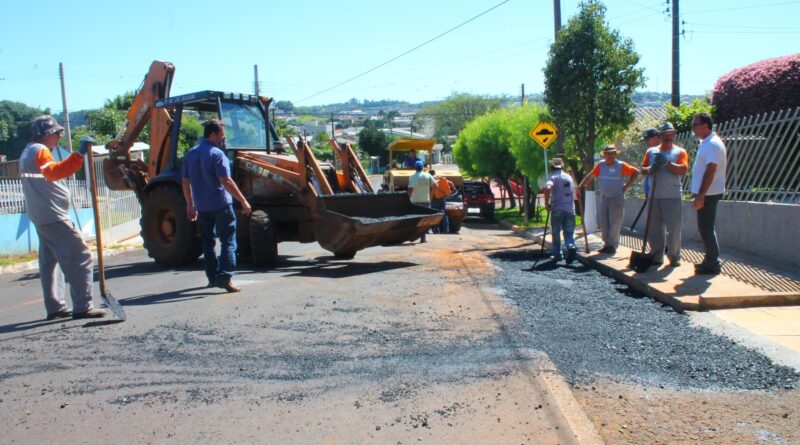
(122, 173)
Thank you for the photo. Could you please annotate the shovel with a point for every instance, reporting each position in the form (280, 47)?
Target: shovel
(583, 222)
(108, 299)
(640, 261)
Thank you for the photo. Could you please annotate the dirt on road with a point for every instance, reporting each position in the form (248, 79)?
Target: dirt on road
(464, 339)
(408, 344)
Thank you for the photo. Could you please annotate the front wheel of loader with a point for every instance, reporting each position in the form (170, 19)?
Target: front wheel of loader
(169, 237)
(263, 245)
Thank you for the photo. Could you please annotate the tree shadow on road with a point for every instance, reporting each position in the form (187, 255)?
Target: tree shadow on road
(331, 267)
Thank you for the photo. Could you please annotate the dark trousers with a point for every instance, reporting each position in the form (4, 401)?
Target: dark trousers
(439, 204)
(219, 224)
(706, 218)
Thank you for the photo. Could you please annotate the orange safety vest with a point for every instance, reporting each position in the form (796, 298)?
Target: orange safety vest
(442, 189)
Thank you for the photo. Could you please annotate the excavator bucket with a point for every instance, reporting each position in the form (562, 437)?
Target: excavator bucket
(346, 223)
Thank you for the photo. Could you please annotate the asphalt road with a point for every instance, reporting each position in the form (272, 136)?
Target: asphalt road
(405, 344)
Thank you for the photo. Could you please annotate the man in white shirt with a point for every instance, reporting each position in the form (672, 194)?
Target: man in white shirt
(708, 185)
(420, 186)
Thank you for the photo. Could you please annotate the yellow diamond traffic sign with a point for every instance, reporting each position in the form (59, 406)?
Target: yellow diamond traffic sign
(544, 133)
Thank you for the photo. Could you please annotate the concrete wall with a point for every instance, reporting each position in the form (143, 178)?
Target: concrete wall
(18, 235)
(771, 231)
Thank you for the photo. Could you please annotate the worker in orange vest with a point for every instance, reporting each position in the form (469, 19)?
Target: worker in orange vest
(441, 190)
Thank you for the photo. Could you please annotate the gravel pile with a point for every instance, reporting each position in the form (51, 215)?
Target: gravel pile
(591, 325)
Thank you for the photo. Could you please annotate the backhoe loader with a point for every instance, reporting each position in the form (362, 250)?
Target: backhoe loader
(294, 197)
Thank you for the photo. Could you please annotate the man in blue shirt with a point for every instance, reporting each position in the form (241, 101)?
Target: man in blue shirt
(207, 188)
(411, 160)
(559, 199)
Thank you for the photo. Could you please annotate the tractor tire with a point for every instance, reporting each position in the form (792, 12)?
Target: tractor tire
(169, 237)
(453, 227)
(263, 245)
(344, 255)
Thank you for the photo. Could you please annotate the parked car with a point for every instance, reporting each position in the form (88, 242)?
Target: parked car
(479, 199)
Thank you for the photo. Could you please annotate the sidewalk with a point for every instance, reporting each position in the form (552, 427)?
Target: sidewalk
(762, 299)
(124, 246)
(745, 280)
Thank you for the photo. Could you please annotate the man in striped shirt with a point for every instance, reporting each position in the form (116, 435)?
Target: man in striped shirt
(60, 243)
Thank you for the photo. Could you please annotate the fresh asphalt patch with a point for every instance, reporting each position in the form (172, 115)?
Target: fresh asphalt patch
(593, 326)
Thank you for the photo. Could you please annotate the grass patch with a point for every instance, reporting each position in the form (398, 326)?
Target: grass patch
(514, 216)
(9, 260)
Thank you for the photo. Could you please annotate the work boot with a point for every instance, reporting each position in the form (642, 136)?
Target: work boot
(571, 253)
(229, 287)
(63, 313)
(674, 262)
(608, 249)
(91, 313)
(702, 269)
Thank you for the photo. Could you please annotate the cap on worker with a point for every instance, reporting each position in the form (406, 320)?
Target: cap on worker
(418, 165)
(649, 133)
(557, 163)
(610, 149)
(666, 127)
(45, 125)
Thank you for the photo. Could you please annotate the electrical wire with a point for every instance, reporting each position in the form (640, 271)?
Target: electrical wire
(405, 53)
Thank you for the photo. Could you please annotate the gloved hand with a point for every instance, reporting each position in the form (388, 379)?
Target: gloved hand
(659, 161)
(83, 148)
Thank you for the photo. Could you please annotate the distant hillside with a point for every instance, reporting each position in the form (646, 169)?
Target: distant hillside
(370, 107)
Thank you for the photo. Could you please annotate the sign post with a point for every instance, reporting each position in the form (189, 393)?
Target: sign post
(544, 133)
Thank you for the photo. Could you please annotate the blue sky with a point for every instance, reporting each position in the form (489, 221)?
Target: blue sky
(303, 47)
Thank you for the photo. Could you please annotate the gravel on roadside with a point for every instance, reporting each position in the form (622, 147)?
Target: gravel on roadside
(591, 325)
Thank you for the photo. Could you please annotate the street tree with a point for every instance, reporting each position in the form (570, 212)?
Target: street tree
(482, 148)
(590, 77)
(373, 141)
(15, 127)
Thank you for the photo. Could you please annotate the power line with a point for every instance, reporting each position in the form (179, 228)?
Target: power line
(407, 52)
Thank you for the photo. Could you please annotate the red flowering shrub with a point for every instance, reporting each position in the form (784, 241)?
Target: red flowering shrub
(772, 84)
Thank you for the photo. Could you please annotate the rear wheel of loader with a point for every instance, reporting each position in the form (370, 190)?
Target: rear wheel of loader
(344, 255)
(263, 246)
(169, 237)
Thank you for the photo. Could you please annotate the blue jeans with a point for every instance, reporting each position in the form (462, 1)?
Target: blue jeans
(219, 224)
(439, 204)
(561, 220)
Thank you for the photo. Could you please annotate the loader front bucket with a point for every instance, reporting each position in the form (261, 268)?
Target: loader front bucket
(347, 223)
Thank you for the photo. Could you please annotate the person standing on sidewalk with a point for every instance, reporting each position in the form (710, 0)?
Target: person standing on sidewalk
(611, 176)
(420, 189)
(708, 185)
(60, 243)
(651, 139)
(207, 189)
(667, 163)
(559, 193)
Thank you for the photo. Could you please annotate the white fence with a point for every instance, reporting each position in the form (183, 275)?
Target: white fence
(119, 210)
(763, 157)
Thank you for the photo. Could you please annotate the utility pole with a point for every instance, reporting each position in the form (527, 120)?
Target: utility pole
(556, 29)
(557, 15)
(525, 195)
(676, 59)
(255, 79)
(68, 134)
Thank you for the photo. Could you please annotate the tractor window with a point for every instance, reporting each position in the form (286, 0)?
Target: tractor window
(244, 127)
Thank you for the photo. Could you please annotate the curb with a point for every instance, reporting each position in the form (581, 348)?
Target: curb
(34, 264)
